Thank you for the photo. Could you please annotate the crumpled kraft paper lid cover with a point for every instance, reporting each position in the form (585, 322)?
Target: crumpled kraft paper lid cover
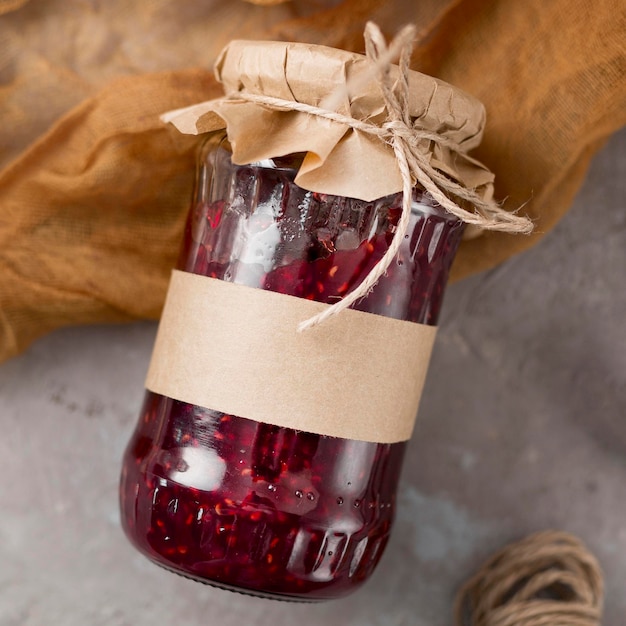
(340, 160)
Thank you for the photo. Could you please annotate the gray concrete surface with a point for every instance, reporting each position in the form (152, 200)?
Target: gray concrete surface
(522, 427)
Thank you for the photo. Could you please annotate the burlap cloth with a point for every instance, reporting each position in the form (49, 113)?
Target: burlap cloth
(94, 189)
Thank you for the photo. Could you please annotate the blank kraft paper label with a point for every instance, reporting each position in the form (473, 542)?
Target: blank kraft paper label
(236, 349)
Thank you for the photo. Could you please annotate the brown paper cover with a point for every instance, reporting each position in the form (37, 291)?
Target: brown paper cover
(339, 160)
(234, 349)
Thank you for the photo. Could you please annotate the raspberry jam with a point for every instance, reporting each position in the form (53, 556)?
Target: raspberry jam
(258, 508)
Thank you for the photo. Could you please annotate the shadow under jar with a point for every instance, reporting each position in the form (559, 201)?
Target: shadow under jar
(258, 508)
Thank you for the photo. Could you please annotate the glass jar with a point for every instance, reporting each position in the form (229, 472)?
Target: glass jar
(250, 506)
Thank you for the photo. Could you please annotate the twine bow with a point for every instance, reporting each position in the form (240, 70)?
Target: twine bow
(404, 137)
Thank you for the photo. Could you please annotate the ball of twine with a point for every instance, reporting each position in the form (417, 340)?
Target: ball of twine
(547, 579)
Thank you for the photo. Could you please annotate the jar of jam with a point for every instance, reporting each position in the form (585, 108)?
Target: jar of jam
(257, 507)
(260, 462)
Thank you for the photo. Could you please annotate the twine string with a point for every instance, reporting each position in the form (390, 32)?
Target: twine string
(407, 141)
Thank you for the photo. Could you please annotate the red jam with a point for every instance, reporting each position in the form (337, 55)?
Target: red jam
(258, 508)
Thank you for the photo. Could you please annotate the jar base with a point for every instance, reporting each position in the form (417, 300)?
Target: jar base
(240, 590)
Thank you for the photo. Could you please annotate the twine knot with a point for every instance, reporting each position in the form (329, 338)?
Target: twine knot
(397, 128)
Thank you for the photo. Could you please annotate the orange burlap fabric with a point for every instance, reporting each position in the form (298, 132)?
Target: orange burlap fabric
(94, 189)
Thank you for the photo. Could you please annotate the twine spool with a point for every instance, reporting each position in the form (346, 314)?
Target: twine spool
(547, 579)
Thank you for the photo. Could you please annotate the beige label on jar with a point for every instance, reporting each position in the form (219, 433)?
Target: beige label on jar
(236, 349)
